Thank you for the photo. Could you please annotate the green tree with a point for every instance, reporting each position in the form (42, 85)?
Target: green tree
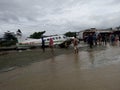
(9, 36)
(37, 35)
(70, 34)
(9, 39)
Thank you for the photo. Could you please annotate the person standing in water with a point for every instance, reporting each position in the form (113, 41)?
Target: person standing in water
(75, 43)
(90, 40)
(43, 44)
(51, 44)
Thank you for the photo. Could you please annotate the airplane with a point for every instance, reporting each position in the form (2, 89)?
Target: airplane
(30, 43)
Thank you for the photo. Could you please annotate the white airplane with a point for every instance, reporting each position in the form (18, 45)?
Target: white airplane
(28, 43)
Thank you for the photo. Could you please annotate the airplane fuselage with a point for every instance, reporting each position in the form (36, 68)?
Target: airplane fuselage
(57, 39)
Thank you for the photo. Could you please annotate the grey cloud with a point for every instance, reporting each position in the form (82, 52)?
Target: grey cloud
(8, 17)
(115, 2)
(60, 14)
(27, 8)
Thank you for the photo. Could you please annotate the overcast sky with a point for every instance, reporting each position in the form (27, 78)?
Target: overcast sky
(58, 16)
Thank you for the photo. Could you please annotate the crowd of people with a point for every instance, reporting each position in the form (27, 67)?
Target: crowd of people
(93, 39)
(102, 39)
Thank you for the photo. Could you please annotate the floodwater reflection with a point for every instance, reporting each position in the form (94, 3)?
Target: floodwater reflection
(88, 70)
(76, 58)
(53, 58)
(91, 56)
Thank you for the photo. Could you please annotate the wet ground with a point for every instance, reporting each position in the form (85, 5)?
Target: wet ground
(90, 69)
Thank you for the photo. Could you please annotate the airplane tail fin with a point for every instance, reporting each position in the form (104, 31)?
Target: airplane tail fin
(19, 36)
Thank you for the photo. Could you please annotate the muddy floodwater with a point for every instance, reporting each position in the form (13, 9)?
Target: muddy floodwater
(90, 69)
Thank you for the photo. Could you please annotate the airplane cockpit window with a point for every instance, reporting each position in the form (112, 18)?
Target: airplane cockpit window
(44, 39)
(64, 37)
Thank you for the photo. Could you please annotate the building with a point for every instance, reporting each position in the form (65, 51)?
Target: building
(84, 33)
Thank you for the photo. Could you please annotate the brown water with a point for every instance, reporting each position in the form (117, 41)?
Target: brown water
(92, 69)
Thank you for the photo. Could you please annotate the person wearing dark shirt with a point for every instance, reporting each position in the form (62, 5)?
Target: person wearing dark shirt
(43, 44)
(90, 40)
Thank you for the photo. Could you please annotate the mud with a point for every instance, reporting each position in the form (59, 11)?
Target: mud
(90, 69)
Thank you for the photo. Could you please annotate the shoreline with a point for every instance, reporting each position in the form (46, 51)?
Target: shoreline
(89, 69)
(9, 60)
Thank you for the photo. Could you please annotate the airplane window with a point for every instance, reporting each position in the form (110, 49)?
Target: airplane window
(56, 37)
(59, 37)
(64, 37)
(48, 39)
